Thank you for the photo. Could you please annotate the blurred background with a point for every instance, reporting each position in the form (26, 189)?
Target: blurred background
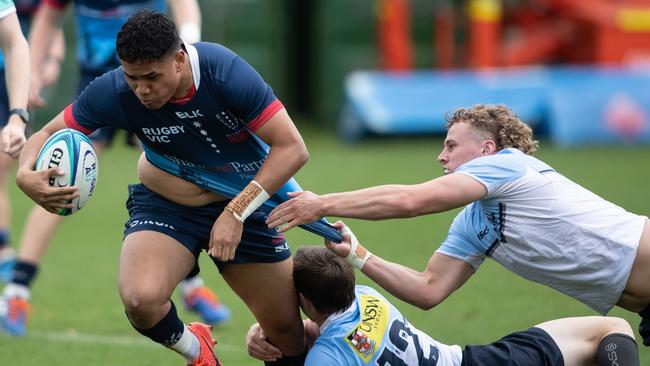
(368, 83)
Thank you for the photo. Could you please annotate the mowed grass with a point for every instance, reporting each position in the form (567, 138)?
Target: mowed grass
(78, 318)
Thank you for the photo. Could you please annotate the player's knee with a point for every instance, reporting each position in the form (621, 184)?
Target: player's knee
(139, 301)
(288, 336)
(619, 325)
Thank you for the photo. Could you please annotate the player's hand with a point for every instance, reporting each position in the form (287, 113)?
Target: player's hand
(225, 237)
(343, 248)
(258, 345)
(35, 184)
(13, 136)
(303, 208)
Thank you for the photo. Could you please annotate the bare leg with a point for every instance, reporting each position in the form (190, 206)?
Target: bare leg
(578, 338)
(268, 291)
(151, 265)
(37, 234)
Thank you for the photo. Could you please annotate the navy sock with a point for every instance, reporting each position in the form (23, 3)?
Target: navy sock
(289, 360)
(644, 327)
(167, 331)
(24, 273)
(617, 349)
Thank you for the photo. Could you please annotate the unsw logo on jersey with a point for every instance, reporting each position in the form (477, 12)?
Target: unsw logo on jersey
(367, 336)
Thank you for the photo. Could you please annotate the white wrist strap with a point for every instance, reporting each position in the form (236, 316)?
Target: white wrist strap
(247, 201)
(358, 254)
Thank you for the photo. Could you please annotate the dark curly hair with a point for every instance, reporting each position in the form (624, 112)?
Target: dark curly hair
(499, 123)
(146, 37)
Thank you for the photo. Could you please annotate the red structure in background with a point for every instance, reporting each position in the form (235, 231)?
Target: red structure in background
(595, 32)
(394, 35)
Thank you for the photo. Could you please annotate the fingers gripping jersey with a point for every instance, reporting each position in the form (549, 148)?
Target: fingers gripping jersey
(373, 332)
(209, 140)
(546, 228)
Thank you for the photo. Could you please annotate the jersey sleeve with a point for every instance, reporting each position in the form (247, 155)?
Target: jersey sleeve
(97, 106)
(494, 170)
(459, 245)
(321, 356)
(248, 96)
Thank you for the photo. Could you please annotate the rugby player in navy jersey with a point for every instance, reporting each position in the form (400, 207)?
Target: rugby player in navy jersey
(97, 25)
(202, 114)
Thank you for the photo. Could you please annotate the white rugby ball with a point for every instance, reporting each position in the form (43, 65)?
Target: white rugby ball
(72, 152)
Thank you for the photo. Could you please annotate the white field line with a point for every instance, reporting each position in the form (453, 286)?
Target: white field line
(111, 340)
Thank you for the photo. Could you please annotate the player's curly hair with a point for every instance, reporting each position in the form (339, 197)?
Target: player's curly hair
(147, 36)
(324, 278)
(499, 123)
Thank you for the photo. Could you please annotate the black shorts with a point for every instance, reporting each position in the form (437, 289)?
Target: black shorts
(191, 226)
(533, 347)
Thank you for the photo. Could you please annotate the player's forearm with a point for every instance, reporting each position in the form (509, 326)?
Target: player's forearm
(374, 203)
(17, 72)
(282, 163)
(187, 17)
(402, 282)
(46, 26)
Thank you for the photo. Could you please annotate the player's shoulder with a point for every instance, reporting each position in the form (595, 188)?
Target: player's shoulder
(109, 83)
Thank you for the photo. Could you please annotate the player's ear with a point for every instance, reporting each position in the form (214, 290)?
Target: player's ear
(179, 60)
(489, 147)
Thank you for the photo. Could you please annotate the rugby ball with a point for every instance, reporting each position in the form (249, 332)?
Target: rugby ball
(72, 152)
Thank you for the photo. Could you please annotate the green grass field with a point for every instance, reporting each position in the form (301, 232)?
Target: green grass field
(78, 319)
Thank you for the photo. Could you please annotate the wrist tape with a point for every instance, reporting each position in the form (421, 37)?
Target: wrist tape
(247, 201)
(358, 254)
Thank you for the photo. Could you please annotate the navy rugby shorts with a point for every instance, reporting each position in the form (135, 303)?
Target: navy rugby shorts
(530, 347)
(191, 226)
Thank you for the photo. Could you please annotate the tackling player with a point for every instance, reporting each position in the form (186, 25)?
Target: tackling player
(519, 211)
(355, 325)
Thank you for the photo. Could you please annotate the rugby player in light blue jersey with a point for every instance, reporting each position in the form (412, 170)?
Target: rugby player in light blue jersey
(97, 25)
(206, 120)
(519, 211)
(356, 326)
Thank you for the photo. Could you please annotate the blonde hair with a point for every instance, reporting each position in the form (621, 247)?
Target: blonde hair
(499, 123)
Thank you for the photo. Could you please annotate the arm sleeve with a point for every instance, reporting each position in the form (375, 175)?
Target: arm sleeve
(248, 96)
(97, 106)
(458, 245)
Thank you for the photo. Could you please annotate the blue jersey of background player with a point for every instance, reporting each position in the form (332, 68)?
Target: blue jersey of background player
(98, 22)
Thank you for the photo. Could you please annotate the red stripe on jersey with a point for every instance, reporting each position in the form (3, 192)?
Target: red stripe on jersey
(55, 4)
(184, 100)
(71, 122)
(266, 115)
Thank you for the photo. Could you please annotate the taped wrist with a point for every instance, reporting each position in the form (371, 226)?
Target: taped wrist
(247, 201)
(358, 254)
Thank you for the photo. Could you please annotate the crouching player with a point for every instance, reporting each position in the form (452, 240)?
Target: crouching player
(355, 325)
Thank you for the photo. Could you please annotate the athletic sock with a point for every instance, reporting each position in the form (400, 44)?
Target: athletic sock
(298, 360)
(617, 349)
(24, 273)
(188, 345)
(167, 331)
(16, 290)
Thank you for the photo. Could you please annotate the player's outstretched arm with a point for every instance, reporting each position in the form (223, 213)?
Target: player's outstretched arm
(380, 202)
(442, 276)
(35, 183)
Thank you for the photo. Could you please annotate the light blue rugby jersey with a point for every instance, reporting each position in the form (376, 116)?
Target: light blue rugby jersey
(478, 229)
(546, 228)
(373, 332)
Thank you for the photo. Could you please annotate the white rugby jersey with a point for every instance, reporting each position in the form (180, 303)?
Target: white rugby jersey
(373, 332)
(546, 228)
